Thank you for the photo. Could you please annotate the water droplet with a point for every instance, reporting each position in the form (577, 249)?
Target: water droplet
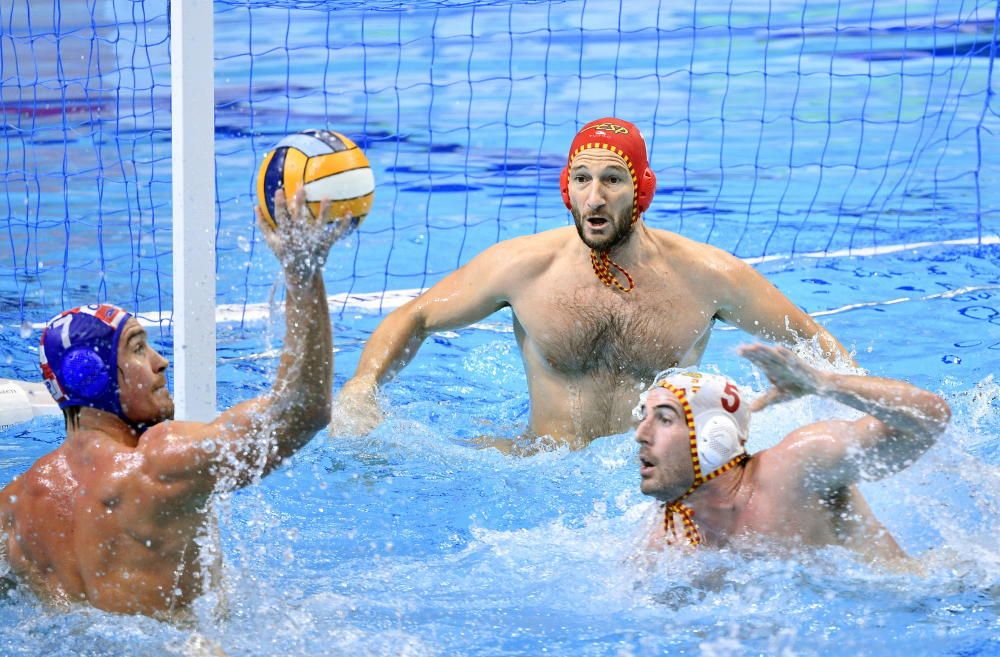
(951, 360)
(25, 329)
(243, 243)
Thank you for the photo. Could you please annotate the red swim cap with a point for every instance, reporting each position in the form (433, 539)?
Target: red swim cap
(621, 138)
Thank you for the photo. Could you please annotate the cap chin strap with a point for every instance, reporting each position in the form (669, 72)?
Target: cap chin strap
(675, 508)
(602, 264)
(600, 260)
(671, 509)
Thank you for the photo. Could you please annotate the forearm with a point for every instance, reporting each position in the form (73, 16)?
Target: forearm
(393, 344)
(751, 302)
(903, 408)
(300, 398)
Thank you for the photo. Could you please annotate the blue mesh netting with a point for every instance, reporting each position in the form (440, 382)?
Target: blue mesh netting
(778, 129)
(85, 189)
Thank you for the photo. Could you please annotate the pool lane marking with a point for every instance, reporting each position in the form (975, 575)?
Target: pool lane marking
(876, 250)
(869, 304)
(392, 299)
(889, 302)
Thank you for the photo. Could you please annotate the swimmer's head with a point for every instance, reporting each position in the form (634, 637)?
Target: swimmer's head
(711, 411)
(79, 358)
(625, 141)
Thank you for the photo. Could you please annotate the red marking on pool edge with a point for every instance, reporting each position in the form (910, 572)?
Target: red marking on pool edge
(48, 110)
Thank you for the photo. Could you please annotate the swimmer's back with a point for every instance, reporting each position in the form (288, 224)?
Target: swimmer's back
(89, 523)
(38, 528)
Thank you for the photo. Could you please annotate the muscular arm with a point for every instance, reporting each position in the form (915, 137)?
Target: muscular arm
(752, 303)
(902, 421)
(468, 294)
(253, 437)
(462, 297)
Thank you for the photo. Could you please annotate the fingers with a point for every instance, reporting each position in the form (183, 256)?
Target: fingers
(770, 396)
(335, 227)
(764, 352)
(299, 208)
(280, 207)
(300, 239)
(342, 227)
(266, 229)
(291, 210)
(770, 358)
(790, 375)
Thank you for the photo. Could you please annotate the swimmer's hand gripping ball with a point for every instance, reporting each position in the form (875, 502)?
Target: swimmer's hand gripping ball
(328, 165)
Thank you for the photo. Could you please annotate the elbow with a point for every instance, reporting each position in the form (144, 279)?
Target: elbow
(319, 416)
(931, 419)
(310, 416)
(939, 413)
(411, 318)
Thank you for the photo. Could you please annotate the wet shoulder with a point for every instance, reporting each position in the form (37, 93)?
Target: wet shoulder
(702, 264)
(529, 255)
(792, 463)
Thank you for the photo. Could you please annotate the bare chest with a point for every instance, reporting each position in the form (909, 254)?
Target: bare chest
(594, 331)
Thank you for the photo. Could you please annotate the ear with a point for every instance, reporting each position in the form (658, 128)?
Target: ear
(564, 187)
(647, 188)
(85, 374)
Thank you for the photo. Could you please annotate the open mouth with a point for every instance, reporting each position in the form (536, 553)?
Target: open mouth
(597, 222)
(645, 467)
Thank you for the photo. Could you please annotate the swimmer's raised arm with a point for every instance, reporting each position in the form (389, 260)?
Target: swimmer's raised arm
(752, 303)
(902, 421)
(468, 294)
(253, 437)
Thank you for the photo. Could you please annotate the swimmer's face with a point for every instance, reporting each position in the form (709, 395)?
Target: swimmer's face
(142, 378)
(601, 196)
(664, 447)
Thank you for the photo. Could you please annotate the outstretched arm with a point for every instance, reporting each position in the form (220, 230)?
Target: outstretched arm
(753, 304)
(468, 294)
(902, 420)
(253, 437)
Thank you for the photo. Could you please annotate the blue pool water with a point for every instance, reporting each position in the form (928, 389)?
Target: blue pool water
(411, 541)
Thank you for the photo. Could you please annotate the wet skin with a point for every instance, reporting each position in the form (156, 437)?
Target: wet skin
(111, 517)
(576, 334)
(801, 491)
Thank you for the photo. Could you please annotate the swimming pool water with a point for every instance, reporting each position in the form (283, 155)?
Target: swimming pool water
(411, 541)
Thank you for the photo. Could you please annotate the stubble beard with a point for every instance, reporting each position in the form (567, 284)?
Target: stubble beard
(622, 231)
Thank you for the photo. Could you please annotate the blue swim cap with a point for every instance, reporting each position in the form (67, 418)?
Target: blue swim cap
(79, 356)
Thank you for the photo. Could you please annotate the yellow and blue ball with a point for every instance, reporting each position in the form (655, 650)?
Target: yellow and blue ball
(327, 164)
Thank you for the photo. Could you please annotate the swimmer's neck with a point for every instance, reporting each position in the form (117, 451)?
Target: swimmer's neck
(636, 248)
(717, 503)
(93, 420)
